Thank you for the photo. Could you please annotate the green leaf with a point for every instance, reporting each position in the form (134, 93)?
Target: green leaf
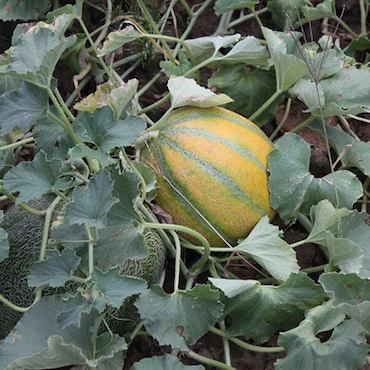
(249, 90)
(185, 91)
(223, 6)
(258, 311)
(325, 9)
(38, 339)
(117, 97)
(334, 99)
(121, 238)
(345, 349)
(288, 68)
(4, 244)
(353, 152)
(114, 288)
(181, 318)
(265, 245)
(350, 294)
(33, 179)
(75, 306)
(22, 107)
(325, 220)
(55, 271)
(173, 69)
(165, 362)
(91, 205)
(294, 189)
(36, 54)
(52, 138)
(9, 83)
(285, 13)
(345, 234)
(25, 10)
(105, 132)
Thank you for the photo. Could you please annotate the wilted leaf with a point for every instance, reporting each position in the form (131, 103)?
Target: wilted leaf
(92, 204)
(181, 318)
(165, 362)
(208, 46)
(258, 311)
(22, 108)
(119, 38)
(55, 271)
(345, 349)
(294, 189)
(185, 91)
(117, 97)
(265, 245)
(33, 179)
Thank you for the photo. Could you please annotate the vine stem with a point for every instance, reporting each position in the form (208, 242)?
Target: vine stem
(17, 144)
(265, 105)
(186, 230)
(24, 206)
(176, 283)
(249, 347)
(208, 361)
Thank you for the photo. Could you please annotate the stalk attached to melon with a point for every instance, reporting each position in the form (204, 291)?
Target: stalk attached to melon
(211, 172)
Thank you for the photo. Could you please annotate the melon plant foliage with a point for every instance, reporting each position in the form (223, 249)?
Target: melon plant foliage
(84, 156)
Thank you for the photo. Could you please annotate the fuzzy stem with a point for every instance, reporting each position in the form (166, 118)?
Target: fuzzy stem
(265, 105)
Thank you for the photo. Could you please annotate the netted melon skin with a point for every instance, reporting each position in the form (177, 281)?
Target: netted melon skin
(15, 269)
(25, 236)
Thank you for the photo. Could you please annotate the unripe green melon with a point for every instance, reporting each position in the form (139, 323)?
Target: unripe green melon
(25, 235)
(211, 165)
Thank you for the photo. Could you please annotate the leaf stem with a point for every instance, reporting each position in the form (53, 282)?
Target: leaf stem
(303, 124)
(24, 206)
(17, 144)
(176, 283)
(63, 105)
(13, 306)
(187, 230)
(249, 347)
(265, 105)
(283, 120)
(208, 361)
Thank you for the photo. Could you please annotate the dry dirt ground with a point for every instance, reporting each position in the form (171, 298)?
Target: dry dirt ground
(211, 345)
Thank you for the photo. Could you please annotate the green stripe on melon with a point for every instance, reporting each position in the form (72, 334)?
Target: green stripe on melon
(212, 162)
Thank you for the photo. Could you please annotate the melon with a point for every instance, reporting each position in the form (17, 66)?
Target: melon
(25, 235)
(211, 172)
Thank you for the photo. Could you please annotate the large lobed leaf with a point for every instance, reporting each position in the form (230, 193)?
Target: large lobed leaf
(265, 245)
(258, 311)
(37, 341)
(345, 349)
(181, 318)
(294, 189)
(345, 234)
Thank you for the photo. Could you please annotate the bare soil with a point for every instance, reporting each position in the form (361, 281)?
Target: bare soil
(308, 255)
